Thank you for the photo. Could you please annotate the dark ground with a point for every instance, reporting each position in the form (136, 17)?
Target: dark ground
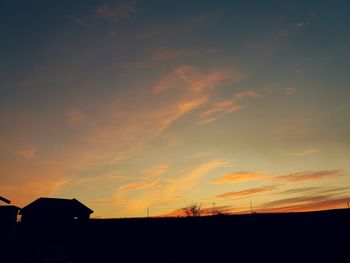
(291, 237)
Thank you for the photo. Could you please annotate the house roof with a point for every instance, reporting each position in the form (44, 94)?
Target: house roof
(57, 203)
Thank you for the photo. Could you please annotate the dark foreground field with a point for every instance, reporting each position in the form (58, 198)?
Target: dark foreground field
(293, 237)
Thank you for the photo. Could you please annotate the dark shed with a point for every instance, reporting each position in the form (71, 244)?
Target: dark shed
(55, 210)
(8, 219)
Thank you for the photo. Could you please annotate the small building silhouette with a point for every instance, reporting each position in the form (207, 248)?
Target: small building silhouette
(58, 210)
(8, 219)
(8, 213)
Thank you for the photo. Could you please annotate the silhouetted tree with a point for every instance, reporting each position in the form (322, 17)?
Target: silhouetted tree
(193, 209)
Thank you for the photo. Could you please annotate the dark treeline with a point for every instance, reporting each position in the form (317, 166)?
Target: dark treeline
(292, 237)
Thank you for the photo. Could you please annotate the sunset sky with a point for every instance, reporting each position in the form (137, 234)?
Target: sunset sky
(126, 105)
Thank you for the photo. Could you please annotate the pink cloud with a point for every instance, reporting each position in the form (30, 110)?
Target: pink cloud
(27, 153)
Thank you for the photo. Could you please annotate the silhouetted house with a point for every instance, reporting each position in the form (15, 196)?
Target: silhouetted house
(49, 210)
(8, 213)
(8, 219)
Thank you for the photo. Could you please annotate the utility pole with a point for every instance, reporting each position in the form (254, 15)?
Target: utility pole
(348, 205)
(251, 207)
(147, 211)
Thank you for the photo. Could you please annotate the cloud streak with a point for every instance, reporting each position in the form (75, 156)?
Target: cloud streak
(139, 185)
(164, 192)
(304, 152)
(222, 108)
(247, 192)
(191, 79)
(238, 177)
(308, 176)
(27, 153)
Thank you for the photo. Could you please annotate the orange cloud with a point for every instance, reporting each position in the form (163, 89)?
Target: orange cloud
(220, 109)
(190, 79)
(165, 192)
(139, 185)
(248, 192)
(27, 153)
(305, 176)
(239, 177)
(310, 204)
(318, 198)
(305, 152)
(155, 171)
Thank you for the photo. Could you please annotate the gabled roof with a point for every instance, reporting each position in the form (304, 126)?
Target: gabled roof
(57, 203)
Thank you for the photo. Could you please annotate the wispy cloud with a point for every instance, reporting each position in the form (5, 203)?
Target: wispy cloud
(200, 90)
(218, 110)
(301, 24)
(139, 185)
(248, 192)
(311, 204)
(298, 199)
(314, 190)
(306, 176)
(121, 11)
(239, 177)
(299, 190)
(304, 152)
(155, 171)
(27, 153)
(289, 90)
(221, 108)
(191, 79)
(149, 178)
(164, 192)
